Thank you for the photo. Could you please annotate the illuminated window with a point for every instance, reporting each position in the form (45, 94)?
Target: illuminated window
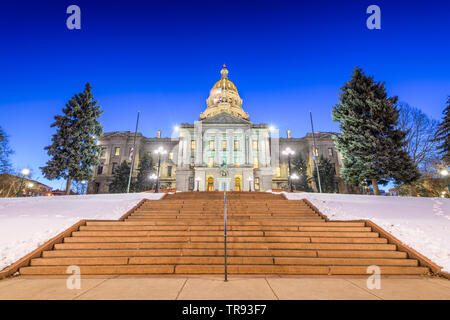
(224, 145)
(255, 162)
(192, 145)
(211, 145)
(236, 145)
(117, 151)
(170, 155)
(256, 184)
(211, 162)
(278, 174)
(255, 145)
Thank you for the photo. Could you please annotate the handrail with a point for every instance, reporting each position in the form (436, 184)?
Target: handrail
(225, 232)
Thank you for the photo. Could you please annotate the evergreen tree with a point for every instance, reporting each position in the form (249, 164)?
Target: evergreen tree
(299, 167)
(5, 152)
(327, 175)
(74, 151)
(120, 178)
(443, 135)
(145, 169)
(370, 142)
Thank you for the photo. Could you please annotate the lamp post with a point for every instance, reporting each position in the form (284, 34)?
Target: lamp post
(24, 172)
(153, 177)
(250, 179)
(83, 183)
(445, 174)
(294, 177)
(160, 151)
(289, 152)
(198, 183)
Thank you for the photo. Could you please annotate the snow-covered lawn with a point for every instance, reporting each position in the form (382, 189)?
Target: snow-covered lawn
(26, 223)
(421, 223)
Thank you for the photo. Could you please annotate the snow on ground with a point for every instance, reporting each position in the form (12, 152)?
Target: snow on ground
(26, 223)
(421, 223)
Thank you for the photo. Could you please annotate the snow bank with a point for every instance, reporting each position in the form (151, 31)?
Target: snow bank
(421, 223)
(26, 223)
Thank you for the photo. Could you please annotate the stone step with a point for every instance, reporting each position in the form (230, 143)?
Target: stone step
(208, 260)
(217, 228)
(345, 261)
(218, 233)
(219, 269)
(296, 269)
(220, 252)
(167, 238)
(220, 222)
(170, 233)
(220, 246)
(230, 239)
(100, 270)
(207, 218)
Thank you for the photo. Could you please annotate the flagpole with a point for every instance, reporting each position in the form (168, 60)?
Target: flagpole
(132, 155)
(314, 152)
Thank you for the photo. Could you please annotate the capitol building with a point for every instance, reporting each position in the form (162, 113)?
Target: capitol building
(222, 150)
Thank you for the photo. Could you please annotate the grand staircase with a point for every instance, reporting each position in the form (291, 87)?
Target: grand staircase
(184, 234)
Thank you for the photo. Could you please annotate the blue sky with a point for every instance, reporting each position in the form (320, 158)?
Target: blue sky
(162, 58)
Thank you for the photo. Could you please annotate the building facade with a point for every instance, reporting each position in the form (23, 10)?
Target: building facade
(223, 150)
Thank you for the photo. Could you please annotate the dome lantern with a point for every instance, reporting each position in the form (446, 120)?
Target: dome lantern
(224, 72)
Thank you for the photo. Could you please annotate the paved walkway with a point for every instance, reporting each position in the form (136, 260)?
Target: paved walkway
(213, 287)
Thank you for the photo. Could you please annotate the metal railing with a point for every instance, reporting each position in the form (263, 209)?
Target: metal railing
(225, 232)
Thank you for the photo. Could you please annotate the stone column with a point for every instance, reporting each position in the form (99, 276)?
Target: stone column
(250, 149)
(198, 143)
(230, 145)
(275, 150)
(180, 151)
(216, 155)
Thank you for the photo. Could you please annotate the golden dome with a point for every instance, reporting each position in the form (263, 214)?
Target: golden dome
(224, 97)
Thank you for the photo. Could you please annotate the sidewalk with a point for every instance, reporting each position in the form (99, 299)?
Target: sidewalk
(214, 288)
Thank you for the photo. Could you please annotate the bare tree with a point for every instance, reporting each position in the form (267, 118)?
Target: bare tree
(419, 141)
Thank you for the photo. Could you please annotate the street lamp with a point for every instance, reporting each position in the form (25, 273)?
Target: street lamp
(250, 179)
(24, 172)
(198, 183)
(289, 152)
(83, 183)
(153, 177)
(294, 177)
(445, 174)
(160, 151)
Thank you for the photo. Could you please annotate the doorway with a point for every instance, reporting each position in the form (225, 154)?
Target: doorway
(237, 184)
(210, 184)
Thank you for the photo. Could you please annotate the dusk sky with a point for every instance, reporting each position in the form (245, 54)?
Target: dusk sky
(162, 58)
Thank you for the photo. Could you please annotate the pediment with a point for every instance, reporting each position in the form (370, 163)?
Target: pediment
(225, 118)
